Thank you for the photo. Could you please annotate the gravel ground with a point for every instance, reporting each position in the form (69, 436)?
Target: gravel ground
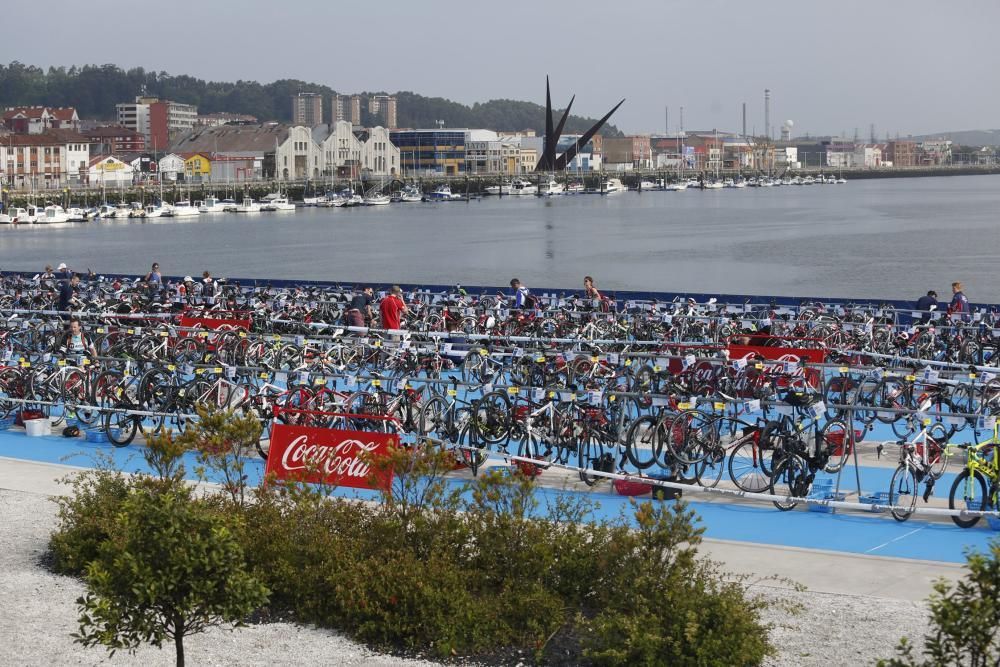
(38, 613)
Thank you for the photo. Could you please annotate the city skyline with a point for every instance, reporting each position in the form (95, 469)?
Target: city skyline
(924, 71)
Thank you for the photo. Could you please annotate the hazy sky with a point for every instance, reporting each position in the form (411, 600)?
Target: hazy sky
(908, 66)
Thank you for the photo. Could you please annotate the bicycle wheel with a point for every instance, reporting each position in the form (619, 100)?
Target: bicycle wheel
(589, 454)
(643, 441)
(937, 455)
(709, 470)
(835, 442)
(903, 493)
(434, 418)
(789, 480)
(748, 469)
(493, 417)
(530, 447)
(690, 436)
(968, 493)
(120, 428)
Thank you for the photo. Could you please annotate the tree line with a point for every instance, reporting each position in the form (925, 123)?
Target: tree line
(95, 90)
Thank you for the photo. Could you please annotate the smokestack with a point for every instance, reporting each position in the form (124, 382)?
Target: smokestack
(744, 119)
(682, 119)
(767, 112)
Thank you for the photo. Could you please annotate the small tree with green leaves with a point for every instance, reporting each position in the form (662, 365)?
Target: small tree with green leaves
(223, 441)
(170, 569)
(965, 619)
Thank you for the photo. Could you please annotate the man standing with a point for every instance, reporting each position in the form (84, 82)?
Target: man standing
(391, 307)
(67, 289)
(522, 296)
(959, 302)
(924, 304)
(360, 309)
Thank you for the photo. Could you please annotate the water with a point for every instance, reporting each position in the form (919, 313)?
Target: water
(887, 238)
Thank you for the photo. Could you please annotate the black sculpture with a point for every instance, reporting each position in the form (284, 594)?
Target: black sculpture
(549, 161)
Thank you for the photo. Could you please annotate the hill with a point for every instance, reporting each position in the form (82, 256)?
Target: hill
(95, 89)
(965, 137)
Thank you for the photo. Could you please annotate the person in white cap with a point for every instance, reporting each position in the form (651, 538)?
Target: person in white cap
(63, 272)
(185, 290)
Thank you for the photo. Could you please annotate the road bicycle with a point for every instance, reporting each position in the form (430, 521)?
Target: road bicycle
(921, 460)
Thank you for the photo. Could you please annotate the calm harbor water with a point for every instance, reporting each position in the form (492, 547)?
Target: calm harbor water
(892, 238)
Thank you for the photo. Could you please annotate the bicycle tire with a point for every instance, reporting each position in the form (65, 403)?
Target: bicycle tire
(120, 428)
(642, 434)
(589, 451)
(903, 493)
(835, 435)
(790, 479)
(960, 497)
(747, 470)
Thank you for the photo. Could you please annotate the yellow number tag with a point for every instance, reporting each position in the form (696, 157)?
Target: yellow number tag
(171, 367)
(452, 392)
(376, 383)
(100, 330)
(595, 359)
(972, 376)
(86, 362)
(628, 362)
(378, 343)
(243, 334)
(164, 334)
(276, 337)
(758, 365)
(319, 381)
(683, 406)
(25, 364)
(263, 376)
(61, 362)
(843, 369)
(911, 378)
(927, 421)
(483, 351)
(612, 398)
(552, 394)
(511, 390)
(217, 369)
(656, 369)
(131, 331)
(199, 371)
(202, 334)
(540, 360)
(719, 406)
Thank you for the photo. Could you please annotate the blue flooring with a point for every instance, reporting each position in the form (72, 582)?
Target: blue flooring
(843, 532)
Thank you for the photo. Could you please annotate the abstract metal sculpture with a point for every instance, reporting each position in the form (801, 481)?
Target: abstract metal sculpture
(549, 161)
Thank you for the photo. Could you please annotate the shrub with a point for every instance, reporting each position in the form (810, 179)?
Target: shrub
(169, 569)
(86, 517)
(965, 618)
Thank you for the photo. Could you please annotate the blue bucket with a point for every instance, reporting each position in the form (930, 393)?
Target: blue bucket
(96, 435)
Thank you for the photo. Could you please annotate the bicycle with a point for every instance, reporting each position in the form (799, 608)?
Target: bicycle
(922, 459)
(975, 488)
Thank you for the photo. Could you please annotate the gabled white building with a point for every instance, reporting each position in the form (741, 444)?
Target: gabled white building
(347, 151)
(299, 156)
(171, 166)
(109, 171)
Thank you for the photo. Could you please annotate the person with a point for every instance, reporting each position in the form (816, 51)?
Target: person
(153, 279)
(959, 302)
(591, 292)
(63, 272)
(185, 290)
(391, 307)
(523, 299)
(360, 309)
(208, 287)
(75, 342)
(47, 274)
(924, 304)
(67, 290)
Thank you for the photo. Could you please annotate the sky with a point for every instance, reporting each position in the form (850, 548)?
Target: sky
(906, 66)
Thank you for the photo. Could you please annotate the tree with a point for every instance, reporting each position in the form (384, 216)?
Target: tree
(965, 618)
(170, 569)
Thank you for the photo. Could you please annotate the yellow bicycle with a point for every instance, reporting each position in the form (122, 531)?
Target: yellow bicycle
(975, 488)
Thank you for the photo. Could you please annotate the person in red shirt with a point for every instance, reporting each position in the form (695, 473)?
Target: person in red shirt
(391, 307)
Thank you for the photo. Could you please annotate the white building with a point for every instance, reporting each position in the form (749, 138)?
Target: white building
(109, 171)
(349, 152)
(298, 157)
(51, 159)
(171, 166)
(867, 156)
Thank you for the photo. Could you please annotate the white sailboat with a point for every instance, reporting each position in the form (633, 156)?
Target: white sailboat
(552, 189)
(248, 205)
(212, 204)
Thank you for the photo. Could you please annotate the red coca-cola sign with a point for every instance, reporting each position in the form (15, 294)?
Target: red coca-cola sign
(330, 456)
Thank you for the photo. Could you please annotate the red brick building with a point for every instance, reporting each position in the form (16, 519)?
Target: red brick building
(115, 140)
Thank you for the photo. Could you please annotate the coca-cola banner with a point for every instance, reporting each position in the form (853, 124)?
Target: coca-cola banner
(331, 456)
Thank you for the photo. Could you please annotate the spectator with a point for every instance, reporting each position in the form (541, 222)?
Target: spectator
(63, 272)
(67, 290)
(523, 298)
(207, 287)
(959, 302)
(154, 279)
(391, 307)
(359, 312)
(924, 304)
